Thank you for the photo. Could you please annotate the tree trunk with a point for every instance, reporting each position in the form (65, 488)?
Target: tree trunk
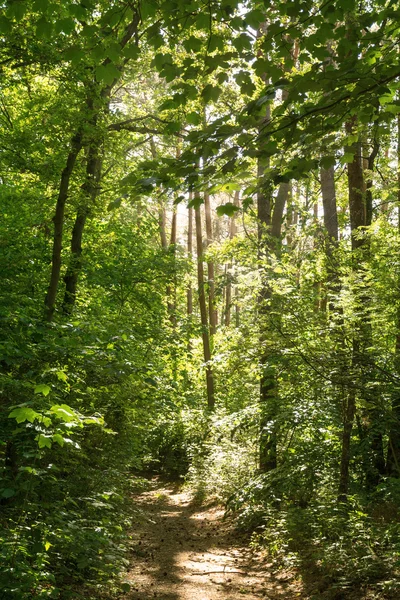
(229, 267)
(190, 257)
(210, 268)
(58, 220)
(328, 190)
(393, 454)
(203, 310)
(90, 191)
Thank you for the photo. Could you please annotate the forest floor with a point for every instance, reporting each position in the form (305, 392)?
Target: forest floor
(183, 551)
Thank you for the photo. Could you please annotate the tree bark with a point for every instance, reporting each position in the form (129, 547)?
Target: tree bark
(229, 274)
(210, 268)
(393, 454)
(58, 220)
(90, 190)
(189, 292)
(203, 311)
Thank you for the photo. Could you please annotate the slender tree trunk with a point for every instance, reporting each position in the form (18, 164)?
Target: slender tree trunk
(355, 180)
(229, 267)
(90, 190)
(203, 310)
(162, 221)
(328, 190)
(210, 268)
(171, 289)
(58, 220)
(190, 257)
(277, 215)
(393, 454)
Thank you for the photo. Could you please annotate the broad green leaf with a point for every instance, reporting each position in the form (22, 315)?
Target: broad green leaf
(195, 202)
(7, 493)
(41, 5)
(24, 413)
(64, 412)
(327, 161)
(160, 60)
(211, 93)
(107, 73)
(57, 437)
(43, 28)
(78, 11)
(66, 25)
(216, 42)
(42, 388)
(62, 376)
(193, 43)
(347, 157)
(5, 25)
(194, 118)
(74, 54)
(148, 9)
(227, 209)
(114, 52)
(17, 10)
(44, 441)
(131, 51)
(243, 42)
(254, 18)
(203, 21)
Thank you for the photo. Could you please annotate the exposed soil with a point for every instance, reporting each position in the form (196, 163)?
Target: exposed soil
(183, 551)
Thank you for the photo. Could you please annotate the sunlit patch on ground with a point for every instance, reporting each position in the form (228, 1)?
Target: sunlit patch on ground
(185, 552)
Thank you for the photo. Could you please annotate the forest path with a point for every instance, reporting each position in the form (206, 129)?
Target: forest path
(183, 551)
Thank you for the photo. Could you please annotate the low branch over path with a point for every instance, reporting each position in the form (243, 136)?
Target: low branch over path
(181, 551)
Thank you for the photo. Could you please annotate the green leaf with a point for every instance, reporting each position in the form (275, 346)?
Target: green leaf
(195, 202)
(5, 25)
(125, 587)
(160, 60)
(64, 413)
(42, 388)
(327, 162)
(44, 441)
(74, 54)
(347, 157)
(203, 21)
(216, 42)
(254, 18)
(193, 118)
(57, 437)
(114, 204)
(78, 11)
(193, 44)
(148, 9)
(114, 52)
(43, 28)
(17, 10)
(131, 51)
(227, 209)
(8, 493)
(66, 25)
(62, 376)
(243, 42)
(107, 73)
(24, 413)
(211, 93)
(40, 5)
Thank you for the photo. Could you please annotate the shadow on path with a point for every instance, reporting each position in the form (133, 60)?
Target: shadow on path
(181, 551)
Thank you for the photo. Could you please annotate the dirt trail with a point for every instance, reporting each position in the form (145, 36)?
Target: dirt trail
(181, 551)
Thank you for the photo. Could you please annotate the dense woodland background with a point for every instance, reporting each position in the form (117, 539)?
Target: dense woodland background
(200, 276)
